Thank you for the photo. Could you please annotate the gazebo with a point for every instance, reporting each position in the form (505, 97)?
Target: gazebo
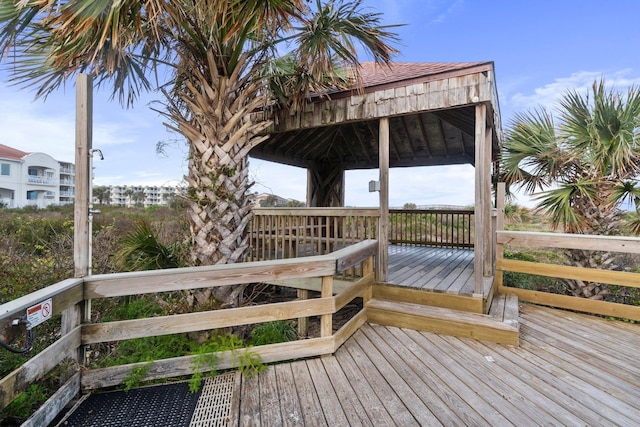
(403, 115)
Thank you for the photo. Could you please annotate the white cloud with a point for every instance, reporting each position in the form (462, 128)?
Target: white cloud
(449, 9)
(548, 95)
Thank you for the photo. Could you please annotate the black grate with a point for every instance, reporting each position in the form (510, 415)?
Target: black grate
(169, 405)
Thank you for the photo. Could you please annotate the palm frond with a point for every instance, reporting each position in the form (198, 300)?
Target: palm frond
(562, 203)
(142, 251)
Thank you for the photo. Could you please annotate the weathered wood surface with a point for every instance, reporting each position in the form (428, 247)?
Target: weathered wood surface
(20, 379)
(64, 294)
(441, 320)
(53, 406)
(622, 278)
(476, 85)
(432, 268)
(570, 369)
(120, 284)
(623, 244)
(200, 321)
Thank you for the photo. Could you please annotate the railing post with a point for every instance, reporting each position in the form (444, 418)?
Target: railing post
(367, 268)
(326, 320)
(303, 322)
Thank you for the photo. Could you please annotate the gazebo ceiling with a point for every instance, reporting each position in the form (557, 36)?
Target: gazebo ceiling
(424, 134)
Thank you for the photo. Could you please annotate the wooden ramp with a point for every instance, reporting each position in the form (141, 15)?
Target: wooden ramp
(570, 369)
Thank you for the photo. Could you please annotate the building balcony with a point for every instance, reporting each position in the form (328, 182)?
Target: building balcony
(41, 180)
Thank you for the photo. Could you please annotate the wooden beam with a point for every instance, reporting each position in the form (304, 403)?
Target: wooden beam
(585, 305)
(57, 403)
(624, 244)
(613, 277)
(486, 193)
(120, 284)
(500, 197)
(84, 126)
(480, 207)
(190, 322)
(180, 366)
(383, 226)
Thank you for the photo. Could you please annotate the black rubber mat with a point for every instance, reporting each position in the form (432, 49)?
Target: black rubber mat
(169, 405)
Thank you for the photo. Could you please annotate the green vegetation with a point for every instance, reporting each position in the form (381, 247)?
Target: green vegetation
(274, 332)
(236, 55)
(582, 163)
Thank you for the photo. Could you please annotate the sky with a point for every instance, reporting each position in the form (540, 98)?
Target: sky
(540, 49)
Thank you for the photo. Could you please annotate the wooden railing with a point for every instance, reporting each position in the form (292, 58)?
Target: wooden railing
(315, 272)
(628, 245)
(281, 233)
(433, 227)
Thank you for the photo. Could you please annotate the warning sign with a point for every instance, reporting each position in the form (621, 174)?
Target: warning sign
(39, 313)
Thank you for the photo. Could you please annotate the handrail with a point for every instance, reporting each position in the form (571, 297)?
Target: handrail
(277, 233)
(622, 244)
(72, 292)
(432, 227)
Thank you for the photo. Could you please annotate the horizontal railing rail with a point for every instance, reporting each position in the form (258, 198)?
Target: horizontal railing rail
(432, 227)
(627, 245)
(280, 233)
(69, 295)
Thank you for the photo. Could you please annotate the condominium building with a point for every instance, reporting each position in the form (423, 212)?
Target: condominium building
(139, 195)
(34, 179)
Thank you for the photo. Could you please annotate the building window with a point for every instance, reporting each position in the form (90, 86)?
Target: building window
(32, 195)
(5, 169)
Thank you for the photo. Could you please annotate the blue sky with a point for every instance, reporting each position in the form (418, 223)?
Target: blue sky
(540, 49)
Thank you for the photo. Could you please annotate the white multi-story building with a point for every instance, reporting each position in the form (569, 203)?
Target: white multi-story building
(34, 179)
(137, 195)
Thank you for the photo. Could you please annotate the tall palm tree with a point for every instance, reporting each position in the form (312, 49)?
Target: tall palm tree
(583, 163)
(223, 60)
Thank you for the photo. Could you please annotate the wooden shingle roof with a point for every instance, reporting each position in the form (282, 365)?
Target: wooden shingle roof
(431, 111)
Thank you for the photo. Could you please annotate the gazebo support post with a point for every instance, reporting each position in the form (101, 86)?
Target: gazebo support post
(325, 185)
(383, 226)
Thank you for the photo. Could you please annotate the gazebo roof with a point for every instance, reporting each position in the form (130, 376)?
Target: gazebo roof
(431, 110)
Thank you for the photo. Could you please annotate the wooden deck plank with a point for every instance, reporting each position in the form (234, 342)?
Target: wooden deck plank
(351, 406)
(612, 376)
(398, 411)
(593, 336)
(477, 365)
(270, 414)
(613, 368)
(250, 407)
(371, 403)
(447, 270)
(290, 408)
(333, 412)
(479, 412)
(447, 406)
(541, 394)
(309, 402)
(393, 374)
(570, 369)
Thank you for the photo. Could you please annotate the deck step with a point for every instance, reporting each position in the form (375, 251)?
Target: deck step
(502, 327)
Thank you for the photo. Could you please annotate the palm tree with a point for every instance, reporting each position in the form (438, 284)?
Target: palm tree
(224, 60)
(584, 162)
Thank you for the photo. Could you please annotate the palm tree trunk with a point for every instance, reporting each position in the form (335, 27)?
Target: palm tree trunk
(215, 118)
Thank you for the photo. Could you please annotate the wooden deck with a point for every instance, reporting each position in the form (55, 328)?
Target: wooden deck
(570, 369)
(447, 270)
